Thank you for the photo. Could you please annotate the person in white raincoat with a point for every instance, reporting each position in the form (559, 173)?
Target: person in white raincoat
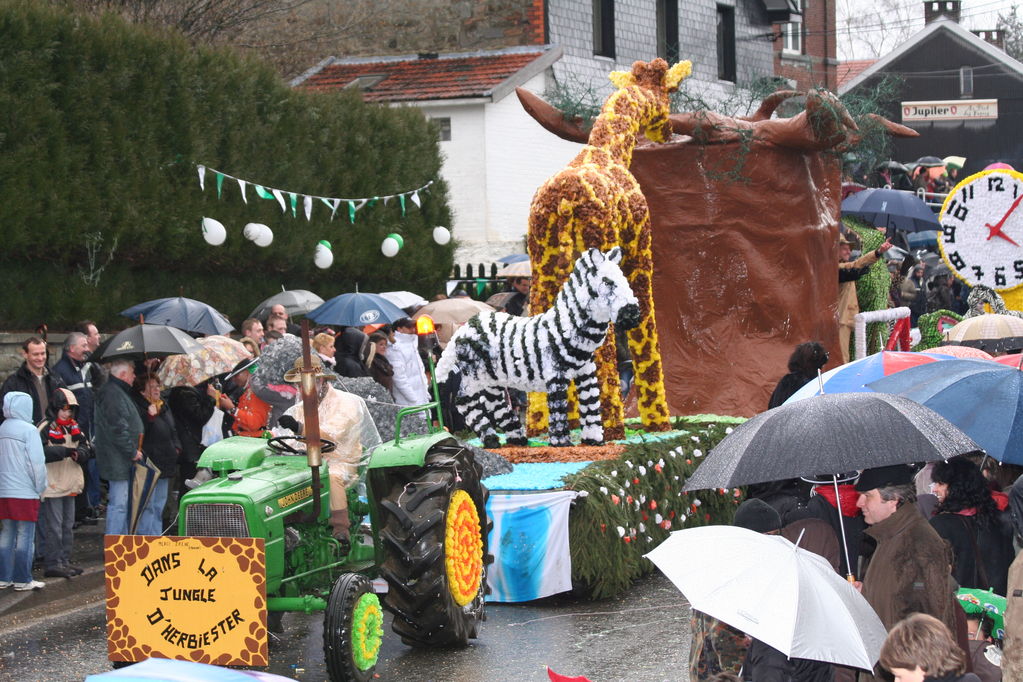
(345, 421)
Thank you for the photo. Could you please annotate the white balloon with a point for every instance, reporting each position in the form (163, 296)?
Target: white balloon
(265, 236)
(259, 234)
(389, 247)
(324, 257)
(213, 231)
(441, 235)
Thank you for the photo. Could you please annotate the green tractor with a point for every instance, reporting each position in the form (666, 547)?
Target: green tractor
(426, 509)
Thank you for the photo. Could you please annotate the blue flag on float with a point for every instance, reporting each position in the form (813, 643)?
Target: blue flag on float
(529, 542)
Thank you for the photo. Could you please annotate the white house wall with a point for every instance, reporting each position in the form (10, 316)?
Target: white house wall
(464, 169)
(521, 156)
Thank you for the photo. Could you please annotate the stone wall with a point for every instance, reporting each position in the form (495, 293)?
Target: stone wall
(10, 350)
(451, 26)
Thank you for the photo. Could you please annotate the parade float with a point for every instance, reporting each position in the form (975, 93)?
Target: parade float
(727, 227)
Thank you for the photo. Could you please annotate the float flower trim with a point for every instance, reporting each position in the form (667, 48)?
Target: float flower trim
(463, 548)
(367, 631)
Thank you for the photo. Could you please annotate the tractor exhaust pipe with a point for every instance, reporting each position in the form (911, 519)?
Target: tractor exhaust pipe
(311, 430)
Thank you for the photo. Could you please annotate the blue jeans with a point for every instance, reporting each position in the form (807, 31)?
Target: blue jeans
(151, 522)
(117, 508)
(57, 517)
(93, 491)
(17, 543)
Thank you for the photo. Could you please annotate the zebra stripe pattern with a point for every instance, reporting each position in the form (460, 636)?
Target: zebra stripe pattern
(544, 353)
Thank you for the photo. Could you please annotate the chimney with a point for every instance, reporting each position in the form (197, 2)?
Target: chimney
(993, 36)
(935, 9)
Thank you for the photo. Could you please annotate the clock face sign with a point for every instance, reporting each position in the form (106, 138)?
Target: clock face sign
(981, 235)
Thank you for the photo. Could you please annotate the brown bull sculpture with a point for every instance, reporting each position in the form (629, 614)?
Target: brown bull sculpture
(744, 215)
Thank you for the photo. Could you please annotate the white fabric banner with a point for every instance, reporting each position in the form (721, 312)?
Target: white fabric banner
(529, 542)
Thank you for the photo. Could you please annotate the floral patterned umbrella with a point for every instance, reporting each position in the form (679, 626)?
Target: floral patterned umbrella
(218, 355)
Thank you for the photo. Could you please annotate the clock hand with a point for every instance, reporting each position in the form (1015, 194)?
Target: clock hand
(996, 230)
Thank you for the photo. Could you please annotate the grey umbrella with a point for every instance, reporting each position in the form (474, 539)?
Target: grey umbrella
(295, 302)
(829, 434)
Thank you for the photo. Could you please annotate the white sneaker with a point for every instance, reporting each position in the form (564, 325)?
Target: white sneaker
(31, 585)
(4, 584)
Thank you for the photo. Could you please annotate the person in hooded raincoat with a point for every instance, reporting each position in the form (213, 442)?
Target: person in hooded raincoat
(22, 482)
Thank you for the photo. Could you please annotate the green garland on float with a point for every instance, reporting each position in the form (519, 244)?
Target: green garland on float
(632, 504)
(872, 289)
(930, 326)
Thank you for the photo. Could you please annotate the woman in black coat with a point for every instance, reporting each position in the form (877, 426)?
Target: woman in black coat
(804, 362)
(160, 445)
(969, 519)
(191, 407)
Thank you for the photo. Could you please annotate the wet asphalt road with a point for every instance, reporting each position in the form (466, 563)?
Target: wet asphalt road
(642, 635)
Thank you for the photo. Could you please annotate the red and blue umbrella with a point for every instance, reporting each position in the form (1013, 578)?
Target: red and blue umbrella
(854, 376)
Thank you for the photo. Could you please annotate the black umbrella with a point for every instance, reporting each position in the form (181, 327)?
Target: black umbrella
(146, 340)
(892, 166)
(295, 302)
(829, 434)
(891, 208)
(929, 162)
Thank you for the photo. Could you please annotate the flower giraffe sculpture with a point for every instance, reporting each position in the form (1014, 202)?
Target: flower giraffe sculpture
(595, 202)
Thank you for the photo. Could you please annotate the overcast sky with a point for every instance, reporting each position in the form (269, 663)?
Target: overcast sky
(880, 25)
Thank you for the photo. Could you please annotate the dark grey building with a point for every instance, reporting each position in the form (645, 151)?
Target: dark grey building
(962, 94)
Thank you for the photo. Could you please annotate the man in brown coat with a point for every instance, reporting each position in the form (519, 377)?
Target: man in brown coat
(910, 571)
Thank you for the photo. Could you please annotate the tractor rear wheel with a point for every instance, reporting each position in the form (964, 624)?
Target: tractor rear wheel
(434, 530)
(352, 629)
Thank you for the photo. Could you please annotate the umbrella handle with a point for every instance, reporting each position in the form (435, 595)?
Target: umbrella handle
(841, 526)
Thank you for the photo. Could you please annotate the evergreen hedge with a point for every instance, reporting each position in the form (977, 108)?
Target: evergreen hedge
(101, 127)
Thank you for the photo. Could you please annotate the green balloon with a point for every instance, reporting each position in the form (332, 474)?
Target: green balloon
(397, 237)
(326, 243)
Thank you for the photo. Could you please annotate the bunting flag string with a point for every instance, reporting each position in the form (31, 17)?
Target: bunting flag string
(333, 203)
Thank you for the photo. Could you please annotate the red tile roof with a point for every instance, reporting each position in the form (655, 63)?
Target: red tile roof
(411, 78)
(848, 70)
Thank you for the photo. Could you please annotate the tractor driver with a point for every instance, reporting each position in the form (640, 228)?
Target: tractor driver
(345, 421)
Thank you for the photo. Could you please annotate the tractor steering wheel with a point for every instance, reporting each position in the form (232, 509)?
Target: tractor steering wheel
(283, 445)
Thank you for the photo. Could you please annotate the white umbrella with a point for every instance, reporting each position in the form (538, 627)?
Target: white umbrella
(403, 299)
(774, 591)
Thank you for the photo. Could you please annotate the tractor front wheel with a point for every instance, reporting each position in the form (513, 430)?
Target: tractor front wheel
(352, 629)
(434, 537)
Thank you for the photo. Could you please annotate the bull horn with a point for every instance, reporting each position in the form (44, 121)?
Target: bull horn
(770, 103)
(553, 119)
(896, 129)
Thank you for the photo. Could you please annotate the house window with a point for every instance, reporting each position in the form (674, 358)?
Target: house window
(966, 81)
(444, 128)
(792, 31)
(604, 28)
(726, 43)
(667, 30)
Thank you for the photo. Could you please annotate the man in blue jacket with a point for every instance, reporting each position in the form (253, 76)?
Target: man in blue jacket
(118, 429)
(22, 482)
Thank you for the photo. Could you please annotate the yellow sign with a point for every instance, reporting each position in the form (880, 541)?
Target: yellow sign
(294, 497)
(194, 599)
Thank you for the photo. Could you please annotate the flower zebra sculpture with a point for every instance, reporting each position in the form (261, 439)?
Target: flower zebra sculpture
(543, 353)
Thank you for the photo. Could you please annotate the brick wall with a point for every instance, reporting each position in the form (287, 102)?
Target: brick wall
(816, 67)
